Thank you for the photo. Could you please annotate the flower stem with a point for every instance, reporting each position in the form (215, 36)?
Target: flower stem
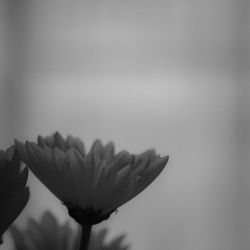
(85, 236)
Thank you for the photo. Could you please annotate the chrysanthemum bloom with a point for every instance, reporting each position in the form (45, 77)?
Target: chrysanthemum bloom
(49, 234)
(13, 193)
(46, 234)
(92, 185)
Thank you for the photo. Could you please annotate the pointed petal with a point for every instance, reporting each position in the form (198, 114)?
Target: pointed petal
(41, 141)
(122, 188)
(109, 151)
(49, 228)
(35, 237)
(92, 172)
(102, 192)
(140, 168)
(22, 152)
(20, 182)
(61, 176)
(9, 153)
(50, 141)
(123, 159)
(74, 142)
(15, 165)
(117, 242)
(123, 177)
(150, 175)
(98, 149)
(78, 176)
(38, 163)
(49, 222)
(59, 141)
(148, 155)
(42, 168)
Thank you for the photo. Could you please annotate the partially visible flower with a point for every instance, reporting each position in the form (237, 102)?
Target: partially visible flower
(98, 241)
(46, 234)
(92, 185)
(14, 194)
(49, 234)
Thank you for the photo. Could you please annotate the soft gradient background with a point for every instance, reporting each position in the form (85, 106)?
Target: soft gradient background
(173, 75)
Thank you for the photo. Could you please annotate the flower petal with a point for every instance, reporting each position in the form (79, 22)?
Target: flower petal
(50, 141)
(59, 141)
(117, 242)
(109, 151)
(35, 239)
(12, 207)
(9, 153)
(150, 175)
(38, 163)
(79, 175)
(61, 173)
(42, 167)
(22, 152)
(148, 155)
(20, 182)
(121, 188)
(41, 141)
(74, 142)
(102, 192)
(123, 159)
(18, 236)
(98, 149)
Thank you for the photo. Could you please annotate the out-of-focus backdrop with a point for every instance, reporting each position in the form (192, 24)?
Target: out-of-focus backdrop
(173, 75)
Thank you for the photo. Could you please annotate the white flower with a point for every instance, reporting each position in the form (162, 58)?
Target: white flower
(92, 185)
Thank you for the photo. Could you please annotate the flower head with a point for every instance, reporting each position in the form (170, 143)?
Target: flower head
(49, 234)
(13, 193)
(92, 185)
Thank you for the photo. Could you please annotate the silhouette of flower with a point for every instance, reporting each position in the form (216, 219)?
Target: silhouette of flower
(92, 185)
(49, 234)
(14, 194)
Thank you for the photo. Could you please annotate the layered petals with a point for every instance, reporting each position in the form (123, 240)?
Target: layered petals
(98, 181)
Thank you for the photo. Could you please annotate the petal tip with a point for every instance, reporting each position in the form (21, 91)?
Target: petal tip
(165, 159)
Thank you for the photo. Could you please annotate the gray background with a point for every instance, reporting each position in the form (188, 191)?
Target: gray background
(173, 75)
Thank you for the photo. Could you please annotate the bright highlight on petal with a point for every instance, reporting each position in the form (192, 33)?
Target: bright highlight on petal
(92, 184)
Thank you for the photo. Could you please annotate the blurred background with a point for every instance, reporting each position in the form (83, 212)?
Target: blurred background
(169, 75)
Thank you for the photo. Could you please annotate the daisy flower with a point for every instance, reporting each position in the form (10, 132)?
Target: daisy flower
(91, 184)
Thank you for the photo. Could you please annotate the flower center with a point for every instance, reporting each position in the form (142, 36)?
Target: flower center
(86, 216)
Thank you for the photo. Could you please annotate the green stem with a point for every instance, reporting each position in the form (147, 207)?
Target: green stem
(85, 237)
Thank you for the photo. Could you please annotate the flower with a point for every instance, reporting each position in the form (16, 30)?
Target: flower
(14, 194)
(46, 234)
(92, 185)
(97, 241)
(49, 234)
